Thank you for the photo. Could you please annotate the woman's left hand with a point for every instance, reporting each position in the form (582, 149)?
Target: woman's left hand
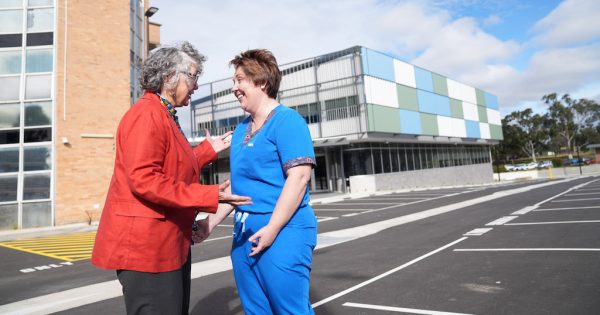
(220, 143)
(262, 239)
(202, 232)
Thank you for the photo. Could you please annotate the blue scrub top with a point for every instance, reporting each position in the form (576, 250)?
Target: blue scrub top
(259, 161)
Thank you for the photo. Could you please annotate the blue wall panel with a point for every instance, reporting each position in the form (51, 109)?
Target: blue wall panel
(410, 122)
(424, 79)
(491, 101)
(472, 129)
(433, 103)
(378, 65)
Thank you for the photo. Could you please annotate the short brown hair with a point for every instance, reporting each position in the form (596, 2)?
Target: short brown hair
(261, 67)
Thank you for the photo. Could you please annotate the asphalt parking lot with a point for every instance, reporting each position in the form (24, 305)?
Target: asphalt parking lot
(523, 248)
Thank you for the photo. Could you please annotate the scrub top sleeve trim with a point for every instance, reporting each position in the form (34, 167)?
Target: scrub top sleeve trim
(299, 161)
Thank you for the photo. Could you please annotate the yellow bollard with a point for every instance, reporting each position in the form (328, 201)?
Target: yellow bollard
(550, 172)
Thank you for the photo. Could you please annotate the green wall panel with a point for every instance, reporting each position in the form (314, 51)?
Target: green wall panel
(429, 125)
(482, 114)
(496, 132)
(383, 119)
(480, 97)
(440, 84)
(407, 97)
(456, 109)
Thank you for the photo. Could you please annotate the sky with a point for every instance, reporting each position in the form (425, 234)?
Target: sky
(516, 50)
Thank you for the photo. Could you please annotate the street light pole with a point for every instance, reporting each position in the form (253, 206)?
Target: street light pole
(150, 12)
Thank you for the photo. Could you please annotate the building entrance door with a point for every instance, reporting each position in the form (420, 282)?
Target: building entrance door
(321, 174)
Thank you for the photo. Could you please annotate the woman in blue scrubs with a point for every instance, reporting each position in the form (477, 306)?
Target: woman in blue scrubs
(271, 161)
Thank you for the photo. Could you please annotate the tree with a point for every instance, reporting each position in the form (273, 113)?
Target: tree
(567, 119)
(509, 148)
(533, 133)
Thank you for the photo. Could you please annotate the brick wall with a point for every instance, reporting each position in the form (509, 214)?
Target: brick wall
(97, 95)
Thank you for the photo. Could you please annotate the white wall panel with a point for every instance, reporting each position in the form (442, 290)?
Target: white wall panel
(445, 126)
(493, 117)
(468, 94)
(470, 111)
(454, 89)
(404, 73)
(296, 79)
(484, 130)
(459, 129)
(336, 69)
(381, 92)
(228, 113)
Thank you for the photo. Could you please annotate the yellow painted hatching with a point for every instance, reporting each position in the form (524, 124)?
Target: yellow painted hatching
(70, 247)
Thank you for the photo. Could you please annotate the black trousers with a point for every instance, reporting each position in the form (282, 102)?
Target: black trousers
(160, 293)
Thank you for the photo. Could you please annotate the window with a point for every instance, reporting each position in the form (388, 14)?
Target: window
(10, 62)
(38, 86)
(8, 188)
(12, 21)
(37, 214)
(38, 60)
(10, 115)
(9, 160)
(36, 186)
(37, 158)
(40, 20)
(10, 88)
(9, 213)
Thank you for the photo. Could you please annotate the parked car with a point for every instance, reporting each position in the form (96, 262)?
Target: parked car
(509, 167)
(573, 161)
(545, 164)
(525, 167)
(588, 161)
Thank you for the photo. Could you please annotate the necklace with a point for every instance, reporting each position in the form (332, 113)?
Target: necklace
(171, 110)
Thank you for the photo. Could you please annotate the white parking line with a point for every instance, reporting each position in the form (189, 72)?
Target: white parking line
(582, 194)
(217, 238)
(570, 208)
(399, 309)
(342, 209)
(553, 222)
(323, 219)
(394, 198)
(503, 220)
(571, 200)
(387, 273)
(366, 204)
(526, 249)
(589, 189)
(478, 232)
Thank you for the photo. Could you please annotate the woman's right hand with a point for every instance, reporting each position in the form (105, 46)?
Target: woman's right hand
(225, 196)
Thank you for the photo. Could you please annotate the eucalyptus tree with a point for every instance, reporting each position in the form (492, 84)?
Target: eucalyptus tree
(532, 132)
(568, 117)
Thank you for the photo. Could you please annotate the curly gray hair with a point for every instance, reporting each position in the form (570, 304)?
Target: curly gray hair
(164, 66)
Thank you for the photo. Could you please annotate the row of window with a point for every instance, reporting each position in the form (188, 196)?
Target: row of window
(36, 60)
(398, 158)
(26, 67)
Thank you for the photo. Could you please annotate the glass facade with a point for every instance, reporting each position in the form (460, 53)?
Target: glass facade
(26, 112)
(136, 47)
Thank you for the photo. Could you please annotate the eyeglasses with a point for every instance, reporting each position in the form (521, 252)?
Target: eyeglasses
(193, 77)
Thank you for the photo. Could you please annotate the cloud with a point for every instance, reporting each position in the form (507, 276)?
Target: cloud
(572, 22)
(492, 20)
(562, 56)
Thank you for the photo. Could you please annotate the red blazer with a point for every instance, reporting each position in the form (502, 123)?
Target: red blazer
(154, 192)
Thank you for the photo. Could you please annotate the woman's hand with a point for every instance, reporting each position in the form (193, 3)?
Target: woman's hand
(202, 232)
(221, 143)
(225, 196)
(263, 239)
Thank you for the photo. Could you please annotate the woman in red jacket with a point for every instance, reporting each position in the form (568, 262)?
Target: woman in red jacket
(154, 194)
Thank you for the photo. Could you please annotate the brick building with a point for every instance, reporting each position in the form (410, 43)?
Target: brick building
(67, 75)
